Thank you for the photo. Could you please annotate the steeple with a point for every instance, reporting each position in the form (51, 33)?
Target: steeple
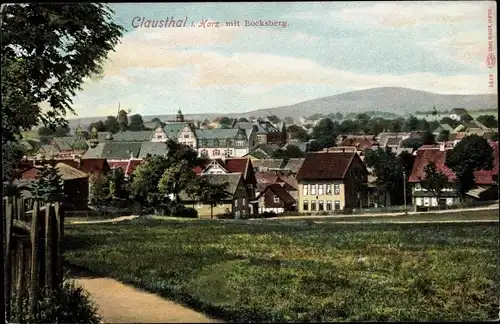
(94, 137)
(79, 132)
(180, 117)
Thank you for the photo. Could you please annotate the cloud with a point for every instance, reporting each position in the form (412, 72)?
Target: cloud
(468, 48)
(406, 14)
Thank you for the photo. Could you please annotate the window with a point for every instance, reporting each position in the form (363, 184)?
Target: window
(336, 189)
(313, 205)
(328, 205)
(236, 203)
(186, 135)
(320, 189)
(160, 136)
(216, 152)
(328, 189)
(243, 201)
(321, 207)
(305, 205)
(426, 201)
(306, 190)
(418, 186)
(337, 204)
(204, 152)
(276, 199)
(313, 189)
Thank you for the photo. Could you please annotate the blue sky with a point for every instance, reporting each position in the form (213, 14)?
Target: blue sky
(325, 49)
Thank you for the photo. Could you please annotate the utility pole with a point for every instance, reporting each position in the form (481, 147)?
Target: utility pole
(404, 190)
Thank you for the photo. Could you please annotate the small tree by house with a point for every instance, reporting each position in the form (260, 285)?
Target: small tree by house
(100, 195)
(444, 135)
(470, 154)
(434, 181)
(49, 185)
(210, 193)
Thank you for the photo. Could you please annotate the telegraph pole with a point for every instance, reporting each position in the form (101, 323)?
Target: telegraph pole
(404, 188)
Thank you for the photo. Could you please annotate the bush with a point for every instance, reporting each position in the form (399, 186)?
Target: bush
(188, 212)
(269, 214)
(67, 304)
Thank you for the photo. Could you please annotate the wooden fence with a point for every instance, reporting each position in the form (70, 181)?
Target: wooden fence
(32, 235)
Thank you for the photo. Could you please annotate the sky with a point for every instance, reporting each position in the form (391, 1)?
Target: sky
(314, 50)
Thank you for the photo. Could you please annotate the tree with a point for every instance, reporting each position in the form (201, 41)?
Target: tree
(111, 124)
(396, 125)
(289, 120)
(427, 138)
(123, 120)
(44, 131)
(494, 137)
(144, 186)
(99, 125)
(243, 120)
(470, 154)
(434, 180)
(211, 193)
(49, 185)
(117, 186)
(136, 123)
(325, 127)
(273, 119)
(411, 124)
(298, 132)
(225, 122)
(488, 120)
(46, 56)
(100, 196)
(444, 135)
(290, 152)
(12, 152)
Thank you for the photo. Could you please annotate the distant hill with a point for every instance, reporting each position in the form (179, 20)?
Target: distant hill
(388, 99)
(399, 100)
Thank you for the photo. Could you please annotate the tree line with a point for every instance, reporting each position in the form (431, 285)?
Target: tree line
(121, 123)
(157, 183)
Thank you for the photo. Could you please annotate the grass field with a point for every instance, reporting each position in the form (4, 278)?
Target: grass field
(297, 271)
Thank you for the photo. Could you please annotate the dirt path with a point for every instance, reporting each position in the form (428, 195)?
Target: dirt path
(112, 220)
(119, 303)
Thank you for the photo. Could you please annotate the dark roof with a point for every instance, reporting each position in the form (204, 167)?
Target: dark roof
(153, 148)
(237, 165)
(86, 165)
(114, 150)
(459, 111)
(269, 164)
(127, 136)
(393, 141)
(279, 191)
(326, 165)
(66, 172)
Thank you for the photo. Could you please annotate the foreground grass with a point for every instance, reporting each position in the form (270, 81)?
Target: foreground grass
(489, 215)
(297, 271)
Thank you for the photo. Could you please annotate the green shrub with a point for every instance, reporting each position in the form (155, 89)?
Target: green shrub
(188, 212)
(67, 304)
(269, 214)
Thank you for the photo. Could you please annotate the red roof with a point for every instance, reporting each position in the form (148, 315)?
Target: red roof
(360, 143)
(325, 165)
(237, 165)
(424, 156)
(128, 167)
(264, 179)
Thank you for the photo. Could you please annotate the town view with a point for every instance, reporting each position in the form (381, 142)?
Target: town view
(250, 162)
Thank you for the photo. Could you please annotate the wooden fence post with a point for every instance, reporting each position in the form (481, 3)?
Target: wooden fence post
(34, 259)
(8, 256)
(21, 265)
(48, 248)
(58, 243)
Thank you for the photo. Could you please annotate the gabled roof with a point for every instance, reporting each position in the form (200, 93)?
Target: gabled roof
(235, 165)
(294, 164)
(152, 148)
(264, 179)
(393, 141)
(216, 133)
(128, 167)
(279, 191)
(127, 136)
(172, 130)
(424, 156)
(459, 111)
(326, 165)
(114, 150)
(446, 127)
(65, 171)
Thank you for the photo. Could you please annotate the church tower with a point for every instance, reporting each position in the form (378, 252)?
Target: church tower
(180, 117)
(94, 138)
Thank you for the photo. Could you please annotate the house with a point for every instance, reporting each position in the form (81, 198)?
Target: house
(222, 142)
(458, 113)
(301, 145)
(275, 198)
(126, 136)
(235, 206)
(330, 181)
(265, 179)
(472, 127)
(485, 180)
(75, 185)
(362, 142)
(111, 150)
(241, 166)
(265, 133)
